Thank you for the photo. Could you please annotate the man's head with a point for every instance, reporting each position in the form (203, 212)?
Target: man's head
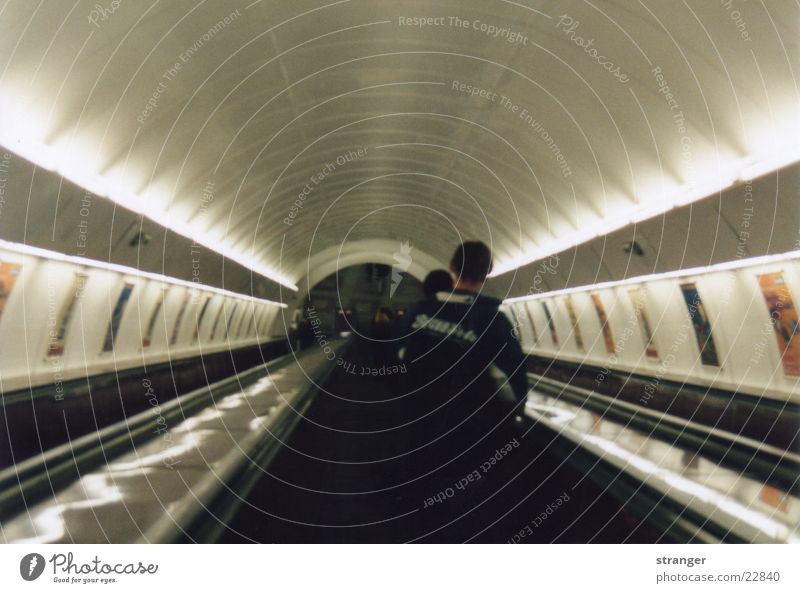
(437, 281)
(471, 263)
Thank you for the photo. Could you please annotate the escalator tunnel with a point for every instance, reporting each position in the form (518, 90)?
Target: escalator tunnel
(352, 471)
(346, 475)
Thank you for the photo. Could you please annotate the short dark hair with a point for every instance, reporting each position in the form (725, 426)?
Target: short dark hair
(437, 281)
(472, 261)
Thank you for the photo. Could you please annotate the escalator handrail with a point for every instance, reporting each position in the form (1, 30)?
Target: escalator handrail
(23, 483)
(211, 504)
(774, 465)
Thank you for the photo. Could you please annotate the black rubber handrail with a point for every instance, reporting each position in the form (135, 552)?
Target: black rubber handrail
(774, 404)
(770, 464)
(214, 505)
(25, 483)
(676, 521)
(77, 386)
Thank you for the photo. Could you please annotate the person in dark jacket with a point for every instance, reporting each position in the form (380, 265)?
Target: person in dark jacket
(451, 344)
(381, 335)
(435, 282)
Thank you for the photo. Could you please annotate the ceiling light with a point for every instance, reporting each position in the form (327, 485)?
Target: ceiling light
(729, 265)
(20, 249)
(20, 135)
(745, 169)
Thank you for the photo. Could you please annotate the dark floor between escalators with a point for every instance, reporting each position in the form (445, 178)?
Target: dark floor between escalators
(345, 476)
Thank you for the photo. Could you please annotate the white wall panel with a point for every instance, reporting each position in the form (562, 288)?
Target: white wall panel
(30, 319)
(747, 351)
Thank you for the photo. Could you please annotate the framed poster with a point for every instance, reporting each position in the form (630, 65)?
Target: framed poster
(516, 326)
(151, 324)
(199, 320)
(262, 316)
(57, 335)
(265, 323)
(176, 328)
(116, 317)
(608, 337)
(701, 324)
(8, 278)
(251, 323)
(640, 310)
(529, 315)
(783, 317)
(230, 321)
(242, 324)
(216, 320)
(774, 497)
(550, 324)
(573, 319)
(260, 322)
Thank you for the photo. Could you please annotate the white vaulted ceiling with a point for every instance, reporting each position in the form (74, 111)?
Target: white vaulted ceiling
(269, 97)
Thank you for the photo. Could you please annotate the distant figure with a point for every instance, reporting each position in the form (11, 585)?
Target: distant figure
(346, 321)
(437, 281)
(381, 334)
(305, 334)
(294, 329)
(451, 344)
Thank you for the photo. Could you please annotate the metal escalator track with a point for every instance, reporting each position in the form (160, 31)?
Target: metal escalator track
(345, 476)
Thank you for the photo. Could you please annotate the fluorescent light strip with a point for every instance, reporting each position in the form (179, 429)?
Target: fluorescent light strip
(29, 250)
(75, 170)
(730, 265)
(748, 169)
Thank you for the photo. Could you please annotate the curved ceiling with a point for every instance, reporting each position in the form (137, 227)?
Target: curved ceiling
(274, 131)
